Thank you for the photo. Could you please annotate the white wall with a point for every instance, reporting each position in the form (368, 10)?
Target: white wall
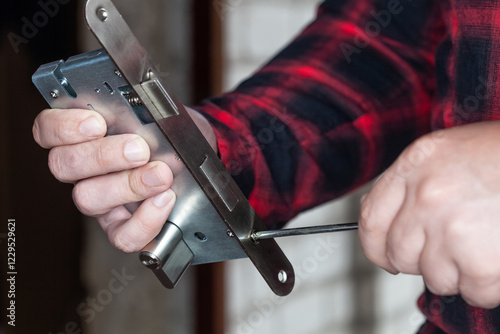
(338, 291)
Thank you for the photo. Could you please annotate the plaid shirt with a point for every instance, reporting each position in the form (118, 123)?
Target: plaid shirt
(337, 106)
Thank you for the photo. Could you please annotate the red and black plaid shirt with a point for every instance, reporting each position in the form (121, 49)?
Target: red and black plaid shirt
(337, 106)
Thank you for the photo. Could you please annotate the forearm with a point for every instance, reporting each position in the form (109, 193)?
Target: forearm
(310, 126)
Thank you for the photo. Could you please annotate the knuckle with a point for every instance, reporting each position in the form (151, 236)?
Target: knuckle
(147, 228)
(122, 242)
(61, 132)
(481, 298)
(480, 273)
(374, 257)
(434, 286)
(401, 257)
(454, 229)
(441, 286)
(36, 132)
(103, 155)
(370, 222)
(365, 215)
(83, 199)
(39, 129)
(56, 165)
(489, 301)
(135, 185)
(63, 161)
(397, 252)
(431, 192)
(374, 252)
(488, 304)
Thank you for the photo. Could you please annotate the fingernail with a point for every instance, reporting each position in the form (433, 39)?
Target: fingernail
(134, 151)
(152, 178)
(91, 127)
(163, 199)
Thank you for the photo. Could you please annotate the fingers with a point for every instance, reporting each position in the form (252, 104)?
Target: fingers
(101, 194)
(404, 247)
(70, 163)
(378, 210)
(479, 280)
(477, 262)
(109, 172)
(55, 127)
(479, 292)
(131, 233)
(406, 238)
(439, 270)
(434, 213)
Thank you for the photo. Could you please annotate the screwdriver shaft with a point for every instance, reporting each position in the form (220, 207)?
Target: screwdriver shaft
(256, 236)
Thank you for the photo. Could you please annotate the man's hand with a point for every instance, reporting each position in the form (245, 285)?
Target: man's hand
(109, 172)
(436, 212)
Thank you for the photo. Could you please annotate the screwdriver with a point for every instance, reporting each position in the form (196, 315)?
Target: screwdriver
(262, 235)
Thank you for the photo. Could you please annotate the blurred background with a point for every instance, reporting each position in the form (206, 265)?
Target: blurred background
(70, 280)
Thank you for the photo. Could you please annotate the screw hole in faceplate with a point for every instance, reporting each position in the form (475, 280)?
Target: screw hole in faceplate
(200, 236)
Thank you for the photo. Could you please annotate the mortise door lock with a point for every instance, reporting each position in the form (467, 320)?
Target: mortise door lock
(212, 220)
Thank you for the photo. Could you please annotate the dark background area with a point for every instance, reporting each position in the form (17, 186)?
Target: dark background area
(48, 227)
